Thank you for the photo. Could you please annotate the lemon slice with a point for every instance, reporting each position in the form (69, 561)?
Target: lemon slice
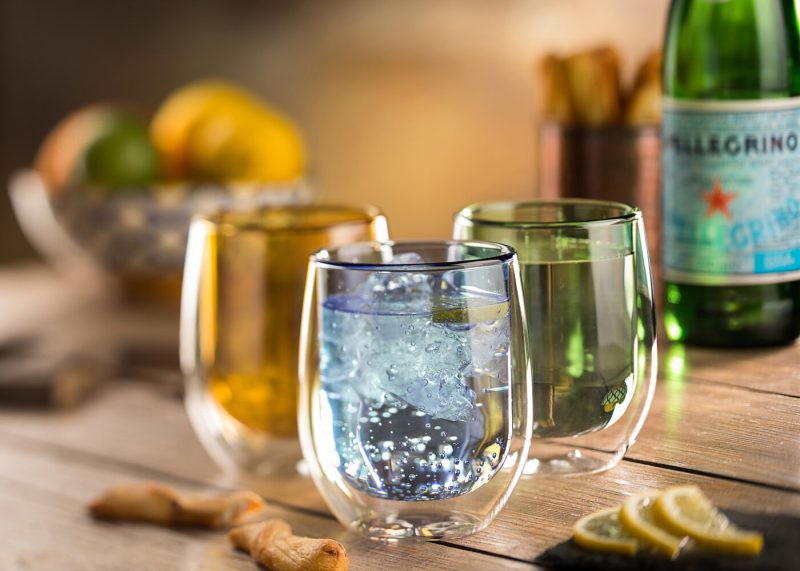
(471, 314)
(601, 531)
(687, 511)
(637, 518)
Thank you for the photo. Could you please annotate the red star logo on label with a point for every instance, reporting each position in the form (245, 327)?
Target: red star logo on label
(718, 200)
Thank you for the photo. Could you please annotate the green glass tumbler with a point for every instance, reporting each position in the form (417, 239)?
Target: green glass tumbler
(591, 324)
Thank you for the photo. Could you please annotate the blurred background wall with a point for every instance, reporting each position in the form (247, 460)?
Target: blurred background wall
(419, 107)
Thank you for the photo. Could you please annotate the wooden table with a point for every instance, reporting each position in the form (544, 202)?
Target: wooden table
(726, 420)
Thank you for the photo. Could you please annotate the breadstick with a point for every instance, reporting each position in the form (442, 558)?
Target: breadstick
(593, 79)
(163, 505)
(644, 106)
(555, 97)
(649, 71)
(272, 544)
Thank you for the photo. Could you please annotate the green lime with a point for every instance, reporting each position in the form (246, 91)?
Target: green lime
(122, 157)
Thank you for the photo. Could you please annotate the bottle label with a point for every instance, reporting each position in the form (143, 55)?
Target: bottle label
(731, 191)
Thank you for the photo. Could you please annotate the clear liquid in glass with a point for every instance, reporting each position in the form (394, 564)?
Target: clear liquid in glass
(414, 387)
(580, 321)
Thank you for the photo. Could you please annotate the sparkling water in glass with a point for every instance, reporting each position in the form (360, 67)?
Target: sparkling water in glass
(419, 396)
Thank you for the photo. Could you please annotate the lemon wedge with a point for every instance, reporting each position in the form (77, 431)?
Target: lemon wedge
(685, 510)
(472, 314)
(601, 531)
(638, 518)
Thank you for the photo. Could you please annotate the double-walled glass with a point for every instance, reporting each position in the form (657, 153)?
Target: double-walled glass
(415, 403)
(591, 324)
(240, 323)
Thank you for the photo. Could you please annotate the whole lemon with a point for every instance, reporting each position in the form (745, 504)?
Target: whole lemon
(214, 130)
(263, 147)
(175, 120)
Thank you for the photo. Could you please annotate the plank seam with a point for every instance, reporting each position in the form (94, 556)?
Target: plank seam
(695, 472)
(702, 381)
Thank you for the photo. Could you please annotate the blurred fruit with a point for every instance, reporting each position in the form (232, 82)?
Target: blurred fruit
(103, 144)
(59, 160)
(264, 148)
(122, 156)
(213, 130)
(177, 116)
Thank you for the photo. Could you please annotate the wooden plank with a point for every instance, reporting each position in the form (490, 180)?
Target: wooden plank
(44, 525)
(134, 422)
(539, 514)
(152, 439)
(47, 532)
(723, 430)
(711, 428)
(770, 370)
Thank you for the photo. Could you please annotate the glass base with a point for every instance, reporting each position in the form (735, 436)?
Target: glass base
(283, 460)
(562, 460)
(236, 448)
(418, 526)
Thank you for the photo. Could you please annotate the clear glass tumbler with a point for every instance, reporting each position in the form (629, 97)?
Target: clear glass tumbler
(240, 323)
(415, 402)
(591, 324)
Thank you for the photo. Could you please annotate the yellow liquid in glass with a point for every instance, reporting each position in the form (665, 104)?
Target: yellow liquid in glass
(250, 308)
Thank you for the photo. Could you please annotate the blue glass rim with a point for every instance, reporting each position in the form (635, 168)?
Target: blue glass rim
(326, 257)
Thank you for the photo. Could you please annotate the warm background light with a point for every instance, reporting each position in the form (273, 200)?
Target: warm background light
(417, 107)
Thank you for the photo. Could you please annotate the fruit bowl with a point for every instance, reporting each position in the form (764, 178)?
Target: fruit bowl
(114, 189)
(131, 233)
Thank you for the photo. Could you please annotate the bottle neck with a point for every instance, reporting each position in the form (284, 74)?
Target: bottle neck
(733, 49)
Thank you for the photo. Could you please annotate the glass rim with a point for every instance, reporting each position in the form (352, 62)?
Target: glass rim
(361, 214)
(503, 254)
(472, 212)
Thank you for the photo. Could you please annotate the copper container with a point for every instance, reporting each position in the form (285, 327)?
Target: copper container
(610, 163)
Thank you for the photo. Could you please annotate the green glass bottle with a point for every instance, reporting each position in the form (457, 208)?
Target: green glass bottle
(731, 172)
